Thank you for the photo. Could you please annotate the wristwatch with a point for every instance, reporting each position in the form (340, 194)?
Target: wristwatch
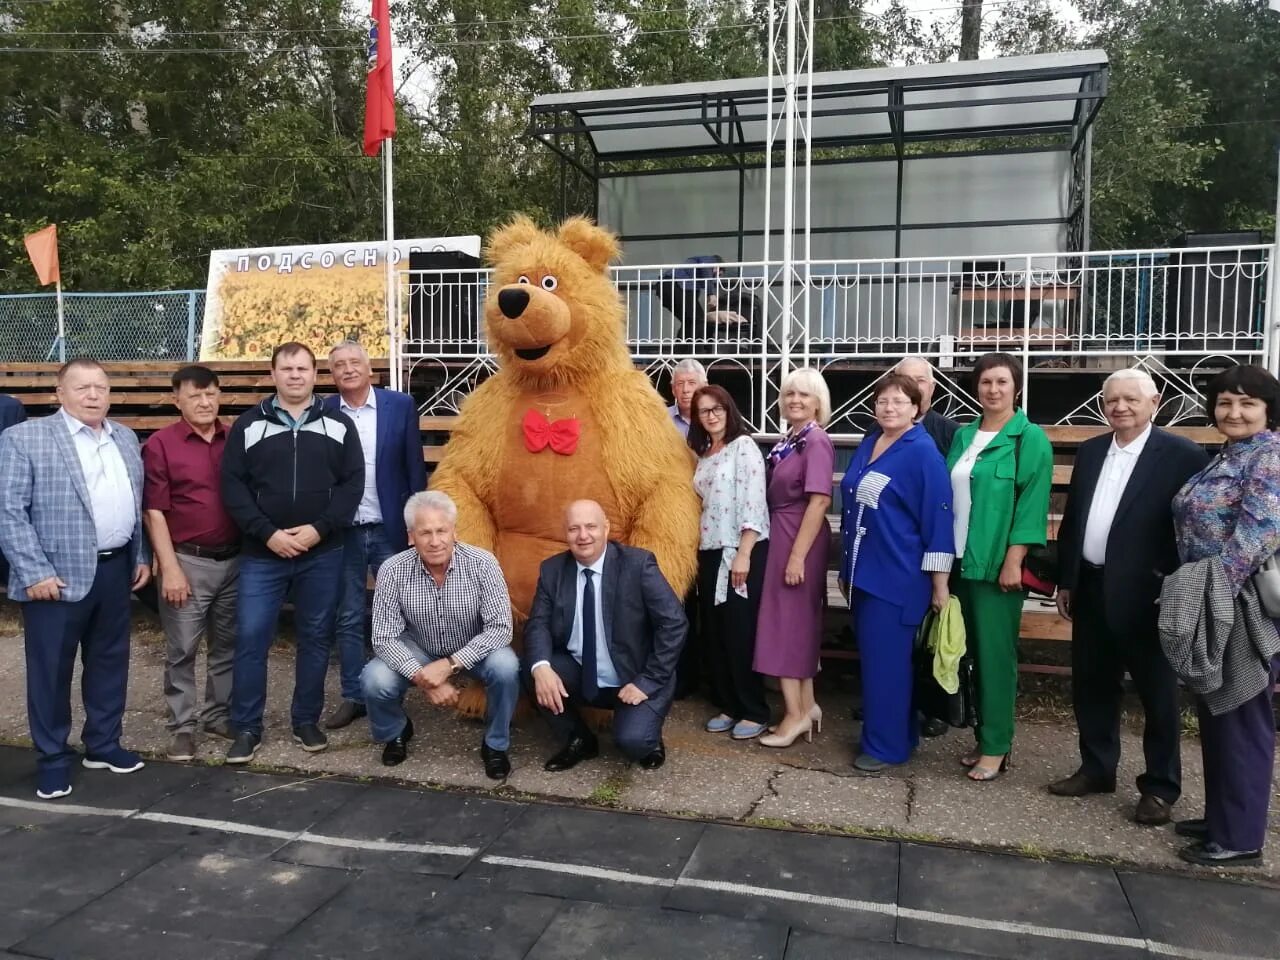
(454, 665)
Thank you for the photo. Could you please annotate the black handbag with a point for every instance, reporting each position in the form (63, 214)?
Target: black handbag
(959, 709)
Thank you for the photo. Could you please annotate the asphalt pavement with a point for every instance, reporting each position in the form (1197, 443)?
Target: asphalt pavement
(205, 862)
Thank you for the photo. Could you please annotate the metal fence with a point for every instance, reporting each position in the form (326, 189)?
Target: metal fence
(1181, 308)
(158, 325)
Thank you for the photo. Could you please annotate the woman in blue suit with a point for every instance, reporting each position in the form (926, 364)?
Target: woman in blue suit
(898, 538)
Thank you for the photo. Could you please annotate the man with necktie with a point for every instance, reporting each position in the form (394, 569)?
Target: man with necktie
(605, 631)
(71, 528)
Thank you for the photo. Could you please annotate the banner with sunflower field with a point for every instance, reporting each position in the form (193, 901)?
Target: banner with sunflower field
(317, 294)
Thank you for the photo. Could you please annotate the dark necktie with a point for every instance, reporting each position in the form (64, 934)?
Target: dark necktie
(590, 679)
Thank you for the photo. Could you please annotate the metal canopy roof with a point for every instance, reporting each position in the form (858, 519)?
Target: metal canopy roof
(1013, 96)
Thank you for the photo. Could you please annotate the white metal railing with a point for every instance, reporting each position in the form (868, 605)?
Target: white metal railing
(1169, 307)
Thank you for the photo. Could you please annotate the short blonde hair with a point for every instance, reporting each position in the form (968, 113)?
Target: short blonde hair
(810, 381)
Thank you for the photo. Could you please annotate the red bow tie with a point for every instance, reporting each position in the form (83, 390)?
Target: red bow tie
(560, 435)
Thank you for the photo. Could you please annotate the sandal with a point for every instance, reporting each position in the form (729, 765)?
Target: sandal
(981, 774)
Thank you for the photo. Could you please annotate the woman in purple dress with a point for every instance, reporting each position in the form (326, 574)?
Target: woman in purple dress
(789, 631)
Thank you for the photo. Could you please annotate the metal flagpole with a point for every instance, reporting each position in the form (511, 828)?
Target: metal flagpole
(388, 212)
(1271, 337)
(62, 328)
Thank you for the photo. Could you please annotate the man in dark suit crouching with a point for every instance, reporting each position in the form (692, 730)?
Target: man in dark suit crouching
(606, 630)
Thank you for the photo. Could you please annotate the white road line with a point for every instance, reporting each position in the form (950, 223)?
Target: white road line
(1015, 928)
(596, 873)
(793, 896)
(223, 826)
(388, 846)
(57, 806)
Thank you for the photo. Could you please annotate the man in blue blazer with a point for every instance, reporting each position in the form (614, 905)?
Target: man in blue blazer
(606, 630)
(71, 527)
(387, 422)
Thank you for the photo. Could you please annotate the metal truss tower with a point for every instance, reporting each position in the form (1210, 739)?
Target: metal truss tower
(789, 125)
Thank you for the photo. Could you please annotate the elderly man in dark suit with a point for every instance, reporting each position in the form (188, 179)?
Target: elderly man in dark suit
(1116, 544)
(605, 630)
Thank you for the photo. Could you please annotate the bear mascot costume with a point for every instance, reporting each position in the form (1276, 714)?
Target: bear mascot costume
(566, 417)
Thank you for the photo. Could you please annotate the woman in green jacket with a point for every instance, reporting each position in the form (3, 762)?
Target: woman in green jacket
(1001, 471)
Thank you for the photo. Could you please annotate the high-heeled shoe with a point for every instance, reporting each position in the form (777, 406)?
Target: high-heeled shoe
(980, 774)
(779, 740)
(815, 715)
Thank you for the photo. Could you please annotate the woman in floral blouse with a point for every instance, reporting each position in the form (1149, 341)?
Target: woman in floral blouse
(1231, 509)
(732, 547)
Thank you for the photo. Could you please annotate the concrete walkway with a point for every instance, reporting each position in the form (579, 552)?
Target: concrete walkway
(180, 861)
(711, 777)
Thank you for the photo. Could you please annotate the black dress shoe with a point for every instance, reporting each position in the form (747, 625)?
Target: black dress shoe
(1206, 853)
(1080, 784)
(1152, 811)
(655, 759)
(1196, 828)
(933, 727)
(396, 750)
(582, 746)
(497, 765)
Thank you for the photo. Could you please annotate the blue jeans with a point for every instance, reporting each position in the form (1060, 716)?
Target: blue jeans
(363, 549)
(264, 584)
(384, 691)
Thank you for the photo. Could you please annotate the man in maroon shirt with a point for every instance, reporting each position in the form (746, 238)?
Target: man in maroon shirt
(197, 547)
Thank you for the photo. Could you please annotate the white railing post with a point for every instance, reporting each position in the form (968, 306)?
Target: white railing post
(1026, 332)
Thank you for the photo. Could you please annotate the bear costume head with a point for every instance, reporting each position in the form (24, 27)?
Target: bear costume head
(552, 315)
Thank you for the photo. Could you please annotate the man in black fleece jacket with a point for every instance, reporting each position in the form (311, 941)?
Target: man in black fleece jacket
(292, 477)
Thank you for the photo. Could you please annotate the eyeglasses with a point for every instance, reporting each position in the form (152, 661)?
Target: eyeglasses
(716, 411)
(884, 402)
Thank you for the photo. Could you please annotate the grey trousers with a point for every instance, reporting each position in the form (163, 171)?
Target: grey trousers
(210, 613)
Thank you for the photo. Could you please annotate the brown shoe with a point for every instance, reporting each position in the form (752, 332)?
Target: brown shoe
(1080, 784)
(1152, 811)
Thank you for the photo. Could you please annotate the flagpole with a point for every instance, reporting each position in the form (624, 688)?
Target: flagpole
(389, 218)
(62, 330)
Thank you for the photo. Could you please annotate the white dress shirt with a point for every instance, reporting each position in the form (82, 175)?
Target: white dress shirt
(1116, 471)
(365, 418)
(962, 486)
(606, 673)
(111, 498)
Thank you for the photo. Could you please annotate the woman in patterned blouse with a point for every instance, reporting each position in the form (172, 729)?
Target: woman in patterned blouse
(732, 546)
(1231, 509)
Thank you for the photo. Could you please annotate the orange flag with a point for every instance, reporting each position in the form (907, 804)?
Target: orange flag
(42, 247)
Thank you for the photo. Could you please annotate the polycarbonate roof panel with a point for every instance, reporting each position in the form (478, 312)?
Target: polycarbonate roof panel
(949, 100)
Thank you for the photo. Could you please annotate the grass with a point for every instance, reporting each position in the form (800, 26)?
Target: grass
(609, 792)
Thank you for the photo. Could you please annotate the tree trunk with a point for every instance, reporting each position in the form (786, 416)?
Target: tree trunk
(970, 29)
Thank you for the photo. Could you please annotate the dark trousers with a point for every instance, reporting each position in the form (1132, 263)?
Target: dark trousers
(729, 632)
(691, 670)
(97, 625)
(1099, 658)
(364, 548)
(1239, 749)
(637, 728)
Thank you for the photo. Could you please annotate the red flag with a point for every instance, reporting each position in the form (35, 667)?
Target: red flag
(42, 247)
(379, 102)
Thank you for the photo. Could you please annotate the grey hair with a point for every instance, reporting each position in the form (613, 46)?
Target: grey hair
(1137, 375)
(429, 500)
(811, 382)
(350, 345)
(897, 367)
(690, 365)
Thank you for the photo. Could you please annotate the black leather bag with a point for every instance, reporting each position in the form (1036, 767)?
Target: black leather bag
(959, 709)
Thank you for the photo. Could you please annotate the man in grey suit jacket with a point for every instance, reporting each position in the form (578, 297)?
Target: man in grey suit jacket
(605, 630)
(11, 412)
(71, 527)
